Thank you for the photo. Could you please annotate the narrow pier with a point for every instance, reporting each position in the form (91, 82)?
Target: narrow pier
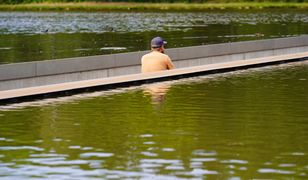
(43, 79)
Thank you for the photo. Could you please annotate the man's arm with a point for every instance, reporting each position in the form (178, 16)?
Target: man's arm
(169, 63)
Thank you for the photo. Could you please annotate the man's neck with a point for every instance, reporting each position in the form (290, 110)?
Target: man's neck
(156, 50)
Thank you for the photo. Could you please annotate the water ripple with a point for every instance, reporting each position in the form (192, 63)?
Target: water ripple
(11, 148)
(48, 22)
(235, 123)
(55, 161)
(95, 154)
(275, 171)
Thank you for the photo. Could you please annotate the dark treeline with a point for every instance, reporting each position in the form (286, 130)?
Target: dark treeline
(148, 1)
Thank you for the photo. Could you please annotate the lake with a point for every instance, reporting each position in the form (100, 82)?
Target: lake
(29, 36)
(249, 124)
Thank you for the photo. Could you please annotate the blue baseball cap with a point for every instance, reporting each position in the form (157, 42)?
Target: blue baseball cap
(158, 42)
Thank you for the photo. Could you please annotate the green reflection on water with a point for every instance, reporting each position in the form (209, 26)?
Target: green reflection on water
(251, 124)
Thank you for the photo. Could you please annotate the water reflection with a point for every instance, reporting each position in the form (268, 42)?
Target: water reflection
(157, 92)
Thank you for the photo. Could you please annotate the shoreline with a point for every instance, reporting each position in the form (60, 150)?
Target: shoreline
(149, 7)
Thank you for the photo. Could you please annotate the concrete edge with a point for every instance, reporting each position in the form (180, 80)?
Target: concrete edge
(65, 89)
(80, 64)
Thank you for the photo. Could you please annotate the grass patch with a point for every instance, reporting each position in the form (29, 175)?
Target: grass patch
(135, 7)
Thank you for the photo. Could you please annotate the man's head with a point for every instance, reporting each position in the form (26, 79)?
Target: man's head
(158, 43)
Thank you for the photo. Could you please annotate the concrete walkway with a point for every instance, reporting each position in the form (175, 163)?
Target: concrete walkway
(55, 89)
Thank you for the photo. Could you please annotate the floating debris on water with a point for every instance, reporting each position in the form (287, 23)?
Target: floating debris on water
(113, 48)
(5, 48)
(83, 49)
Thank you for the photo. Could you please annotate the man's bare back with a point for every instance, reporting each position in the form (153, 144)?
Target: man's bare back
(156, 60)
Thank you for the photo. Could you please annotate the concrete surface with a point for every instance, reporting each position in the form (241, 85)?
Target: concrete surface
(66, 71)
(38, 91)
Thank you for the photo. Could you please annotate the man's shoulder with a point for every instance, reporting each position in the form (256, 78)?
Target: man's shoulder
(156, 54)
(162, 55)
(147, 54)
(165, 56)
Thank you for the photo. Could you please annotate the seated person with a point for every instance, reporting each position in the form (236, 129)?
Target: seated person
(156, 60)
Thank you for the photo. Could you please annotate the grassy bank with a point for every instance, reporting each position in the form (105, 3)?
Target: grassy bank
(95, 6)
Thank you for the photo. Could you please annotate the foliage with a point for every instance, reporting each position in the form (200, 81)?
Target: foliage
(145, 1)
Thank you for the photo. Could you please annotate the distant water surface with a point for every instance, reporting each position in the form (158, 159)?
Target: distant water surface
(29, 36)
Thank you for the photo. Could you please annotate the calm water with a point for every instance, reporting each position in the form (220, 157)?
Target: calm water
(250, 124)
(43, 36)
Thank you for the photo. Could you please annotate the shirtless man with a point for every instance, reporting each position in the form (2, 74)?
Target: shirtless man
(156, 60)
